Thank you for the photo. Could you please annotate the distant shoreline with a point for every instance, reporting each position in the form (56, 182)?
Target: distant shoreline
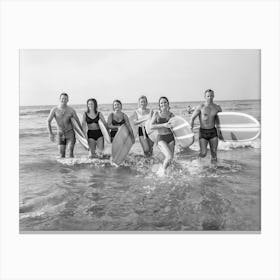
(130, 103)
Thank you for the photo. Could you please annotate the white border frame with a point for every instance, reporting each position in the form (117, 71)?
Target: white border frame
(156, 24)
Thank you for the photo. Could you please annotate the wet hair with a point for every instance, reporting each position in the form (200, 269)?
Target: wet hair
(94, 103)
(208, 90)
(118, 101)
(163, 97)
(143, 97)
(63, 94)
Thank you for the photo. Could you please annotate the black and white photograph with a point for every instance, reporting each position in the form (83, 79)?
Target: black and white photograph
(140, 140)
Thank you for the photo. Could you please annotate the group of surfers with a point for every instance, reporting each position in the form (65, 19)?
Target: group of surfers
(63, 113)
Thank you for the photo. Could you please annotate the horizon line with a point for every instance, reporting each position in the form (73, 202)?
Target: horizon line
(99, 104)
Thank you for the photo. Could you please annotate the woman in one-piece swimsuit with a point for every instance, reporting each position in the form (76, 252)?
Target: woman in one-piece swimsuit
(165, 140)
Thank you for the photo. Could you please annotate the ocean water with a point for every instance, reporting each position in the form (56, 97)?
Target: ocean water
(84, 194)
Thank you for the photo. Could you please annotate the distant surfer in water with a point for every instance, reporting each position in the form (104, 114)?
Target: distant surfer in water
(92, 130)
(207, 113)
(63, 114)
(190, 109)
(140, 116)
(165, 140)
(118, 118)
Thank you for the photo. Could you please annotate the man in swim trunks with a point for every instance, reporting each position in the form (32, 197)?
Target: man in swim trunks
(63, 114)
(207, 113)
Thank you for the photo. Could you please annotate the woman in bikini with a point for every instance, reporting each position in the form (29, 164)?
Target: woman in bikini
(92, 130)
(141, 115)
(118, 118)
(165, 140)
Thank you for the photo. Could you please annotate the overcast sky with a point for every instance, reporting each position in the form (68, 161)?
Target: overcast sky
(181, 75)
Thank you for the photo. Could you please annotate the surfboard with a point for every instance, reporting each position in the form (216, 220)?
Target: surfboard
(182, 131)
(79, 134)
(121, 145)
(133, 126)
(104, 131)
(152, 133)
(234, 126)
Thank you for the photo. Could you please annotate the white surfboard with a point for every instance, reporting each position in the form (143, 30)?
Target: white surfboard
(142, 123)
(133, 126)
(121, 145)
(152, 133)
(104, 131)
(182, 131)
(234, 126)
(79, 134)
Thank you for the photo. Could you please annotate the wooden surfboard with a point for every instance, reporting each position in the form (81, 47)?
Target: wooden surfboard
(104, 131)
(234, 126)
(79, 134)
(182, 131)
(121, 145)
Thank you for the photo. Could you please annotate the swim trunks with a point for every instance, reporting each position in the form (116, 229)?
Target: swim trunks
(94, 134)
(167, 138)
(208, 134)
(64, 136)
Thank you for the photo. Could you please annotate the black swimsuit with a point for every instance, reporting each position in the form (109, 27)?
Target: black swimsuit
(93, 133)
(114, 131)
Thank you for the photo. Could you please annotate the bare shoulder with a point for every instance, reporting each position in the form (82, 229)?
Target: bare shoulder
(70, 109)
(218, 107)
(53, 110)
(199, 107)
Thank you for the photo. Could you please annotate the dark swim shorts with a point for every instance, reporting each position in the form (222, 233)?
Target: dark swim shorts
(94, 134)
(167, 138)
(140, 131)
(208, 134)
(63, 137)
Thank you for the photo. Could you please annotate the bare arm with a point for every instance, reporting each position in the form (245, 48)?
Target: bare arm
(160, 125)
(109, 122)
(135, 119)
(196, 113)
(49, 121)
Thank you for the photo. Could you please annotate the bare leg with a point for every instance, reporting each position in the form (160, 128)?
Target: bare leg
(145, 145)
(92, 147)
(151, 144)
(213, 148)
(165, 149)
(100, 145)
(203, 147)
(62, 149)
(172, 147)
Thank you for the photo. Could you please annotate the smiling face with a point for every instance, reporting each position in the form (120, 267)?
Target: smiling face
(163, 104)
(91, 106)
(143, 103)
(117, 106)
(209, 96)
(63, 99)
